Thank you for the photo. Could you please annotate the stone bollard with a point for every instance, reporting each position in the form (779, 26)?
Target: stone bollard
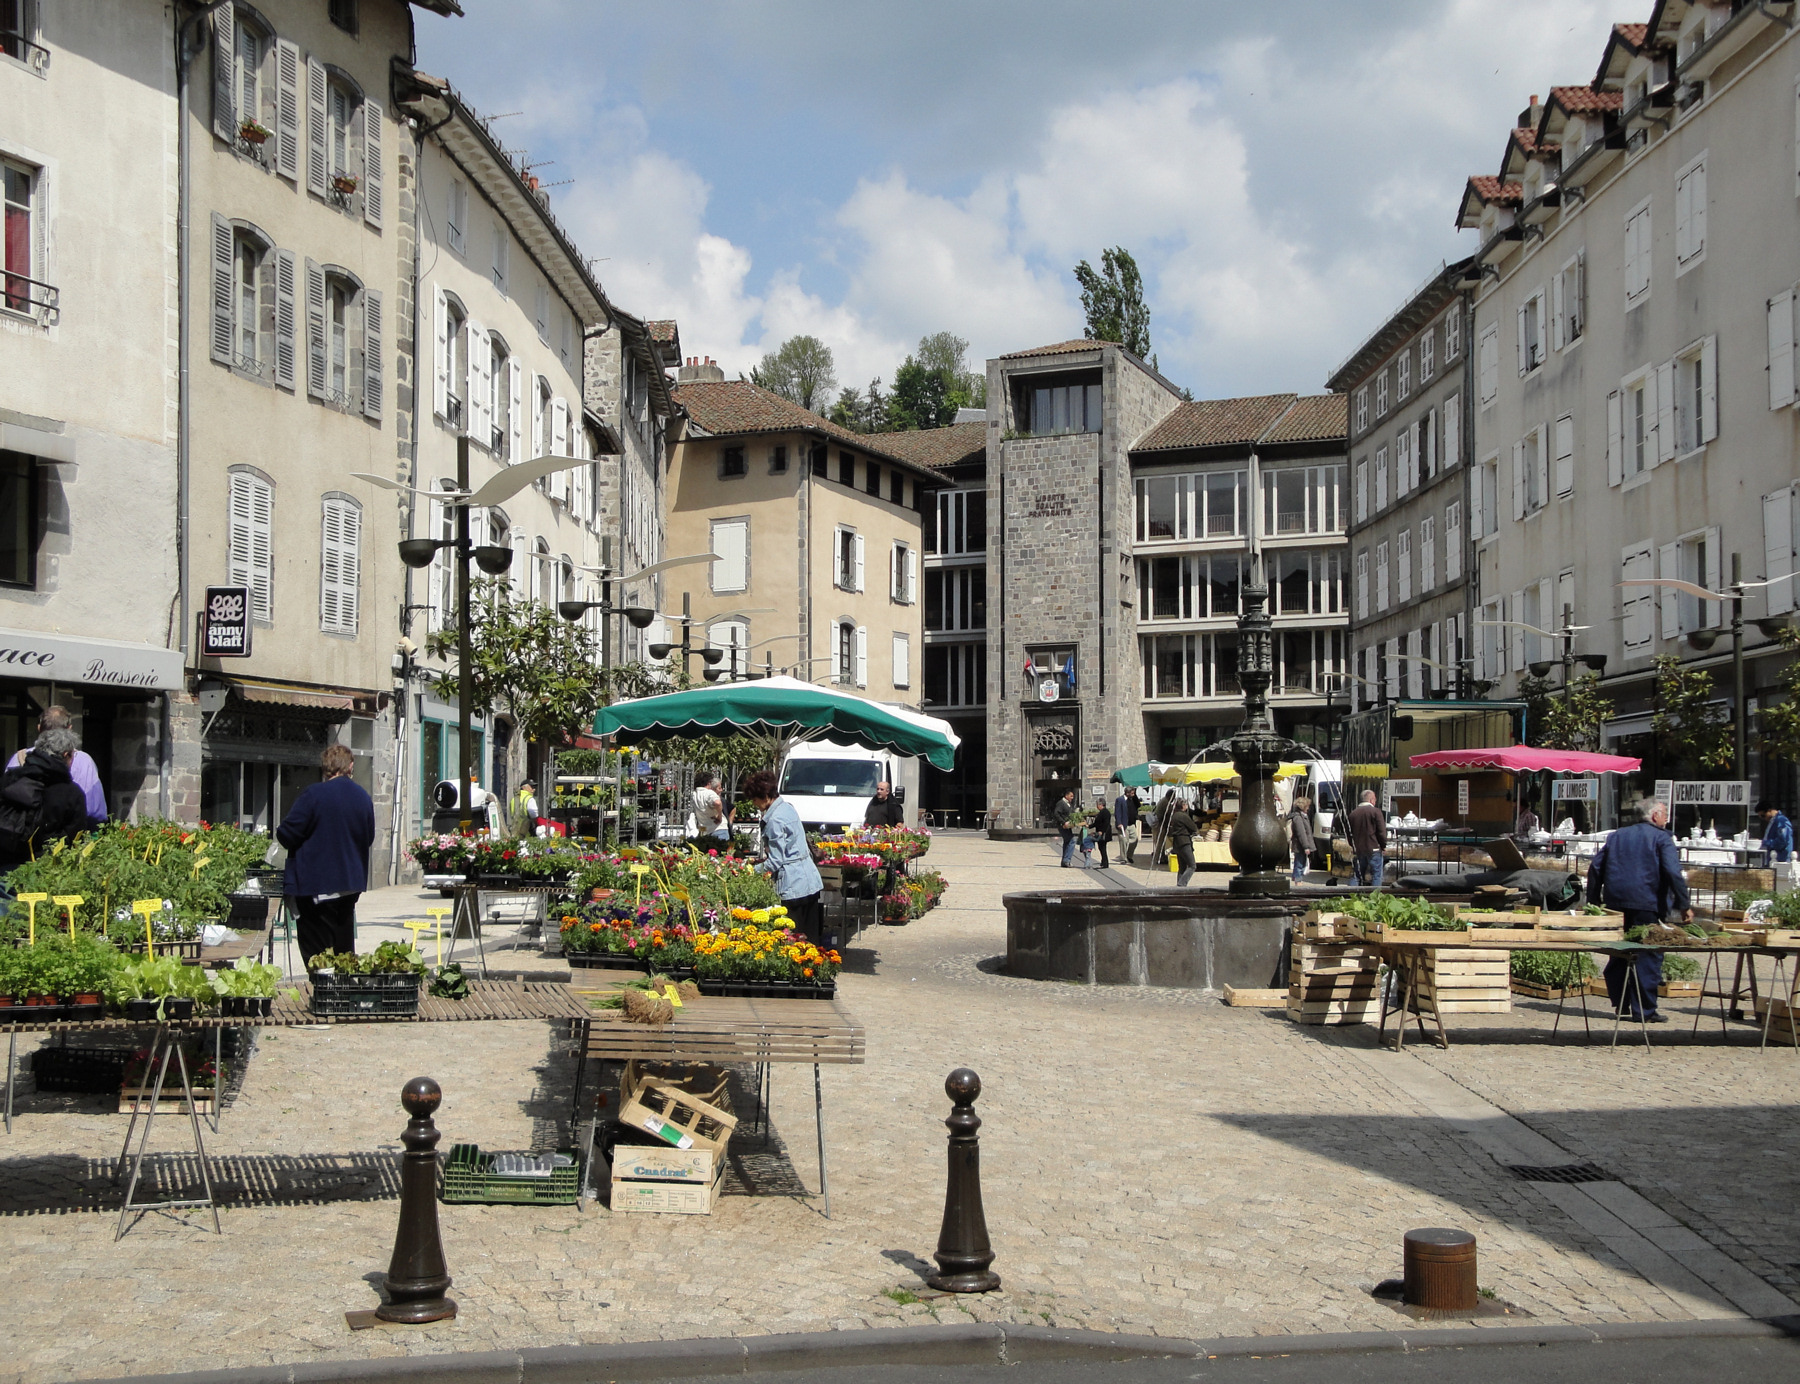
(963, 1253)
(1440, 1269)
(417, 1276)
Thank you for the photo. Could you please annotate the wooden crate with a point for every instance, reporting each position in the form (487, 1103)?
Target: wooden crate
(1581, 927)
(1320, 926)
(1254, 999)
(1518, 917)
(1468, 981)
(658, 1105)
(680, 1182)
(1781, 937)
(1381, 932)
(172, 1102)
(1679, 989)
(1547, 992)
(1782, 1025)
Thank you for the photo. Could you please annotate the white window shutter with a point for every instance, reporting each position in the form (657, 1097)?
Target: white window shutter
(537, 422)
(1615, 439)
(476, 405)
(440, 353)
(1778, 548)
(374, 121)
(373, 353)
(315, 330)
(859, 545)
(1565, 456)
(1518, 480)
(239, 508)
(1453, 539)
(1697, 225)
(224, 49)
(1452, 448)
(1710, 579)
(1543, 462)
(1709, 389)
(1478, 504)
(223, 270)
(338, 566)
(1665, 413)
(1524, 359)
(287, 110)
(902, 661)
(1556, 310)
(1515, 639)
(317, 154)
(862, 654)
(559, 427)
(1781, 349)
(249, 550)
(894, 572)
(1684, 217)
(516, 396)
(1669, 565)
(912, 576)
(287, 317)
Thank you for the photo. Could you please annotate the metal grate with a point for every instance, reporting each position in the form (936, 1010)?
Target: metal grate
(1561, 1172)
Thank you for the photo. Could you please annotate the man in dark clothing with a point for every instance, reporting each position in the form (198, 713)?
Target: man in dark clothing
(1181, 839)
(1060, 815)
(41, 794)
(1101, 826)
(1300, 836)
(328, 832)
(1125, 823)
(884, 809)
(1638, 872)
(1368, 839)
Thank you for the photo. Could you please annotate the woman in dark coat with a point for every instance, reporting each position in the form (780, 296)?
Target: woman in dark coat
(1100, 825)
(1181, 839)
(1300, 833)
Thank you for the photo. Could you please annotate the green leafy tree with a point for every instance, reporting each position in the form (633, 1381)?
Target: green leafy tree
(1693, 731)
(1114, 301)
(946, 354)
(920, 398)
(859, 412)
(1778, 726)
(1574, 722)
(800, 369)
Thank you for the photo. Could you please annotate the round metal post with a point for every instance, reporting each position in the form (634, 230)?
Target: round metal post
(417, 1277)
(963, 1252)
(1440, 1269)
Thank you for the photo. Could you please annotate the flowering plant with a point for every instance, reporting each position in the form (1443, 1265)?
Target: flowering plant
(757, 947)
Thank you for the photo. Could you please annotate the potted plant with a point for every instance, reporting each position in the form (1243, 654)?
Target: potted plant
(344, 185)
(245, 989)
(253, 131)
(9, 981)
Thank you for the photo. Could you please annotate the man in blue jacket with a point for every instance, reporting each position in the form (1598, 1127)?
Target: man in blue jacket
(328, 832)
(1638, 872)
(1778, 833)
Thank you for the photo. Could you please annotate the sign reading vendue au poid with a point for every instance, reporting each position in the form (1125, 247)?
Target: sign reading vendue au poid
(225, 623)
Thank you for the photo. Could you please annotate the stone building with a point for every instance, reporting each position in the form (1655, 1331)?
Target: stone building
(1407, 388)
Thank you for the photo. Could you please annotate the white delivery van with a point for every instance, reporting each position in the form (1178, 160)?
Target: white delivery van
(830, 784)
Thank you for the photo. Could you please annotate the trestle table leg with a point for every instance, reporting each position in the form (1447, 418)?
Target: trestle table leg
(819, 1117)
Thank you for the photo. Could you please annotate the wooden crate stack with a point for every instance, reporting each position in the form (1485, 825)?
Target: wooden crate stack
(1466, 980)
(1332, 982)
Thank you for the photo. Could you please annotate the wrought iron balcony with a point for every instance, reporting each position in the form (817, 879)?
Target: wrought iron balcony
(21, 49)
(32, 297)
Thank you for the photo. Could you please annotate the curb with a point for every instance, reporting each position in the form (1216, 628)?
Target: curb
(971, 1344)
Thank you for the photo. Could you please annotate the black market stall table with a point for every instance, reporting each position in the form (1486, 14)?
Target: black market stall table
(486, 1000)
(725, 1031)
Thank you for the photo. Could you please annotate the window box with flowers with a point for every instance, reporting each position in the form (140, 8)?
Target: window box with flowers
(254, 132)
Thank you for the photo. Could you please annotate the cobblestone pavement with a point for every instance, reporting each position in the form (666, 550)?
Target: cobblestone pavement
(1152, 1162)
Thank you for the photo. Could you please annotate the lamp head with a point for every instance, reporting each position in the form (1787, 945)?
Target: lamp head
(573, 610)
(493, 559)
(712, 655)
(712, 674)
(1595, 662)
(1772, 625)
(1702, 640)
(659, 650)
(641, 616)
(418, 552)
(1540, 669)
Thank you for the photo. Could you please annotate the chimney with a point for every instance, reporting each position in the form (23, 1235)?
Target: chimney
(1529, 117)
(700, 370)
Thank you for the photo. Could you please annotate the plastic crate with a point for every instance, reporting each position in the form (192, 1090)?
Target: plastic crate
(87, 1071)
(469, 1178)
(394, 995)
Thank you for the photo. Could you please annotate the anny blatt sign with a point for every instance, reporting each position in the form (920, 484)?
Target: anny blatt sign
(59, 658)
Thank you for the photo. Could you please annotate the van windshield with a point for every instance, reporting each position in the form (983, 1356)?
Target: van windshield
(826, 778)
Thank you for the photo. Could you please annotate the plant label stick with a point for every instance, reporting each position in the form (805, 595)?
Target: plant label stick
(147, 907)
(69, 903)
(31, 901)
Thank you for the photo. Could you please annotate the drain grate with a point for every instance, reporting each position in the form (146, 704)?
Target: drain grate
(1561, 1172)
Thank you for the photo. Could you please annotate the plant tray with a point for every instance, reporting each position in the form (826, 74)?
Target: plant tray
(1415, 937)
(769, 989)
(88, 1071)
(185, 951)
(1548, 992)
(1679, 989)
(376, 996)
(1489, 936)
(1781, 937)
(603, 961)
(1517, 918)
(470, 1179)
(249, 912)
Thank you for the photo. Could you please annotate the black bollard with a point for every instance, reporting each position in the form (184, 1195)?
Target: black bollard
(417, 1276)
(963, 1252)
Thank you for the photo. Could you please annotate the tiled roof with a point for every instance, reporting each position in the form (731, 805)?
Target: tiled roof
(1315, 418)
(1527, 139)
(1580, 100)
(1632, 33)
(937, 447)
(662, 331)
(1215, 423)
(1493, 190)
(1061, 348)
(729, 408)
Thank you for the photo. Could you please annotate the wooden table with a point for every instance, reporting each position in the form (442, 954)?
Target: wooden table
(721, 1031)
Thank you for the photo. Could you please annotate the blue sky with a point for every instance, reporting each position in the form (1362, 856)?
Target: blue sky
(1285, 172)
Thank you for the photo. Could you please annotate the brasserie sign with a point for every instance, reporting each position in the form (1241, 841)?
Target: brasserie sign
(63, 659)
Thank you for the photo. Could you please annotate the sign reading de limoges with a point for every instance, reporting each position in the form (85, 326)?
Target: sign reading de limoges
(62, 658)
(225, 623)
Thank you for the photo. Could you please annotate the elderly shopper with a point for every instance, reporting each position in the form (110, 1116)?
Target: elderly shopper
(1368, 839)
(328, 832)
(40, 802)
(712, 820)
(1300, 835)
(82, 768)
(1181, 839)
(1638, 871)
(787, 859)
(1125, 823)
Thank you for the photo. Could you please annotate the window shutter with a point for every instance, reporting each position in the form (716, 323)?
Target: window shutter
(338, 567)
(858, 543)
(225, 118)
(1665, 413)
(479, 404)
(1515, 639)
(1518, 480)
(1709, 389)
(912, 576)
(1781, 349)
(373, 117)
(1697, 215)
(1615, 439)
(287, 109)
(559, 433)
(1684, 217)
(317, 156)
(894, 572)
(372, 354)
(237, 530)
(287, 321)
(1478, 503)
(222, 269)
(1524, 359)
(1543, 462)
(902, 661)
(315, 330)
(1710, 579)
(1565, 456)
(249, 557)
(1452, 449)
(516, 395)
(1669, 565)
(537, 420)
(862, 651)
(1453, 540)
(440, 354)
(1556, 310)
(1778, 548)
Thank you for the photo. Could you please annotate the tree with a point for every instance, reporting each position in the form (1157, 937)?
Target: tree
(1114, 301)
(1693, 731)
(1566, 722)
(921, 398)
(1778, 726)
(860, 413)
(800, 369)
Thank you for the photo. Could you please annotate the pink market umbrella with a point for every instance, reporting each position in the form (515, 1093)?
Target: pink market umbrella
(1518, 759)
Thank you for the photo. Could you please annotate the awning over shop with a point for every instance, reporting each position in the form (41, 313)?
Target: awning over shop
(1524, 759)
(290, 694)
(62, 658)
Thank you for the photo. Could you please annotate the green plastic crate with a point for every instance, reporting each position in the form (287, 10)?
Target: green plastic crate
(469, 1179)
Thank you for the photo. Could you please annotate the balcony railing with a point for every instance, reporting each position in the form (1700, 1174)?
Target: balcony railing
(32, 297)
(21, 49)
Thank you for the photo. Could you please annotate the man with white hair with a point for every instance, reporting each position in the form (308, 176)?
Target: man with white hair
(1638, 872)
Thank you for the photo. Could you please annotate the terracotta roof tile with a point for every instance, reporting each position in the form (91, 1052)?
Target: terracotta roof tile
(1494, 190)
(1061, 348)
(1215, 423)
(1633, 34)
(1315, 418)
(729, 408)
(938, 447)
(662, 331)
(1580, 100)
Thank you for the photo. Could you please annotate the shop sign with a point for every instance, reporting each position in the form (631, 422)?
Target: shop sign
(1712, 793)
(1576, 790)
(1462, 797)
(225, 622)
(62, 659)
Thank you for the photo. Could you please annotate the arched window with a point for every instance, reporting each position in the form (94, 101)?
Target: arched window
(344, 141)
(340, 564)
(565, 579)
(504, 406)
(450, 350)
(543, 573)
(344, 340)
(442, 596)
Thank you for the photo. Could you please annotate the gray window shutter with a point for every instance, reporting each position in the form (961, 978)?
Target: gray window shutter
(317, 152)
(1781, 349)
(1665, 413)
(1779, 532)
(287, 109)
(1709, 389)
(221, 290)
(1518, 480)
(372, 354)
(287, 326)
(1669, 565)
(1615, 439)
(372, 162)
(315, 330)
(225, 118)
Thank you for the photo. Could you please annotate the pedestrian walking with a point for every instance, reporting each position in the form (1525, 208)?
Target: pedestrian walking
(1637, 870)
(82, 768)
(1181, 839)
(328, 832)
(1300, 834)
(1368, 840)
(40, 802)
(787, 859)
(1100, 826)
(1062, 815)
(1778, 833)
(1125, 823)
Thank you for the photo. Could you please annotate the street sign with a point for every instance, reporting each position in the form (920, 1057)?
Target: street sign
(1665, 790)
(1712, 793)
(1462, 797)
(1576, 790)
(225, 622)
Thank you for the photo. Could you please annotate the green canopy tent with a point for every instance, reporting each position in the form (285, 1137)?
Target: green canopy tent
(782, 712)
(1139, 775)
